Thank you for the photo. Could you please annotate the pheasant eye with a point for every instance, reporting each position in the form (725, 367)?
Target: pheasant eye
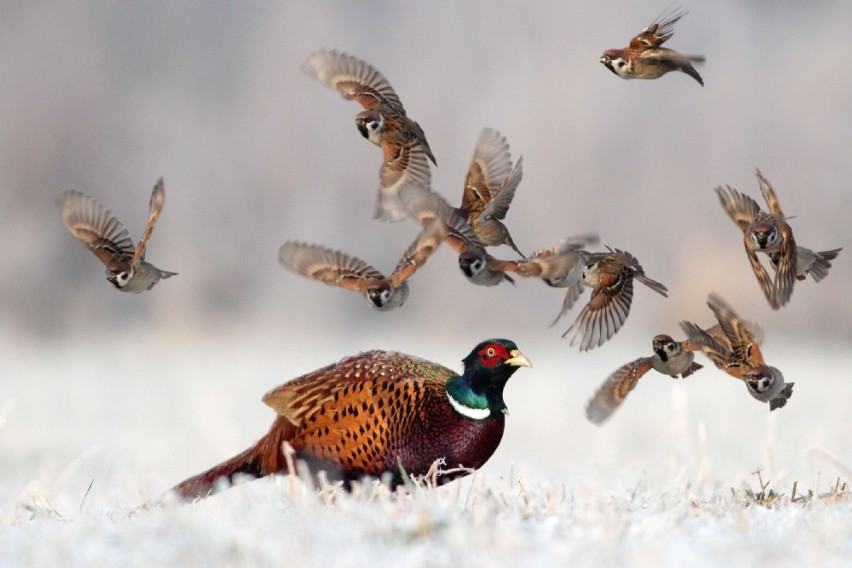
(490, 352)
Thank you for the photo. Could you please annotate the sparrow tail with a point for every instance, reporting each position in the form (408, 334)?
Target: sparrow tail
(690, 70)
(822, 262)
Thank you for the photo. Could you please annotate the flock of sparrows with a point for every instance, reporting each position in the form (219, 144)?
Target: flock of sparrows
(479, 222)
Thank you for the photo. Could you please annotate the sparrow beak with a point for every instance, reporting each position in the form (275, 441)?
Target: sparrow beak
(518, 359)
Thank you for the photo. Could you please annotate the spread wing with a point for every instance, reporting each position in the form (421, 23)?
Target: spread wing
(96, 227)
(717, 351)
(762, 275)
(656, 34)
(742, 209)
(603, 316)
(419, 252)
(353, 78)
(326, 265)
(403, 166)
(769, 195)
(786, 268)
(424, 205)
(489, 168)
(158, 199)
(571, 294)
(502, 198)
(615, 389)
(743, 343)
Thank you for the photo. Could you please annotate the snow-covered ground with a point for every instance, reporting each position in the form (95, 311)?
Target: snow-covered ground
(108, 399)
(92, 428)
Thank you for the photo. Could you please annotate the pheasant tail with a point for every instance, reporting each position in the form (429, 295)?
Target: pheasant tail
(262, 459)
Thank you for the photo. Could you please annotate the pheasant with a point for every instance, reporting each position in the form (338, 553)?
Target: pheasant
(380, 413)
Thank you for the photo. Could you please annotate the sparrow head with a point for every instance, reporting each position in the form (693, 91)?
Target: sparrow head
(614, 60)
(382, 296)
(472, 263)
(120, 275)
(764, 235)
(370, 124)
(764, 383)
(665, 347)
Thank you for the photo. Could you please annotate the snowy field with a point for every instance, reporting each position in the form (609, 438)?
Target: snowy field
(109, 399)
(667, 482)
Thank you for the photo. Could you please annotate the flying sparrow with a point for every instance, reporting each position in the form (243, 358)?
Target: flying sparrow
(478, 267)
(769, 232)
(644, 58)
(339, 269)
(98, 229)
(383, 122)
(489, 189)
(574, 259)
(737, 352)
(673, 358)
(610, 276)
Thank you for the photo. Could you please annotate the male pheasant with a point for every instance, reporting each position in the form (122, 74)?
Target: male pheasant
(381, 413)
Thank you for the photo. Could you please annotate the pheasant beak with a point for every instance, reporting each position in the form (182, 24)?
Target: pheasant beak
(518, 359)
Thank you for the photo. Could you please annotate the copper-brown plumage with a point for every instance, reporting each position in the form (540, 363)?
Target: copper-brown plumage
(380, 413)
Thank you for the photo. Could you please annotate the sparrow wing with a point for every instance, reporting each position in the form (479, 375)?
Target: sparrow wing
(96, 227)
(489, 168)
(326, 265)
(502, 198)
(769, 195)
(742, 209)
(603, 316)
(571, 294)
(158, 199)
(762, 276)
(419, 252)
(403, 166)
(668, 59)
(656, 34)
(353, 78)
(786, 269)
(713, 349)
(576, 243)
(615, 389)
(424, 205)
(743, 343)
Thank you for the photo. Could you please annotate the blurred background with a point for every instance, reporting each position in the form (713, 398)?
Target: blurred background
(147, 389)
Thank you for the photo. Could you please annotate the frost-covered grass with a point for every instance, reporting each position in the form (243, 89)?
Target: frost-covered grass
(485, 521)
(669, 481)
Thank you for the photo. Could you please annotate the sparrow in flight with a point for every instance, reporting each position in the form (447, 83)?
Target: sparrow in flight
(769, 233)
(336, 268)
(489, 189)
(98, 229)
(673, 358)
(478, 267)
(645, 58)
(383, 122)
(737, 352)
(573, 258)
(610, 276)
